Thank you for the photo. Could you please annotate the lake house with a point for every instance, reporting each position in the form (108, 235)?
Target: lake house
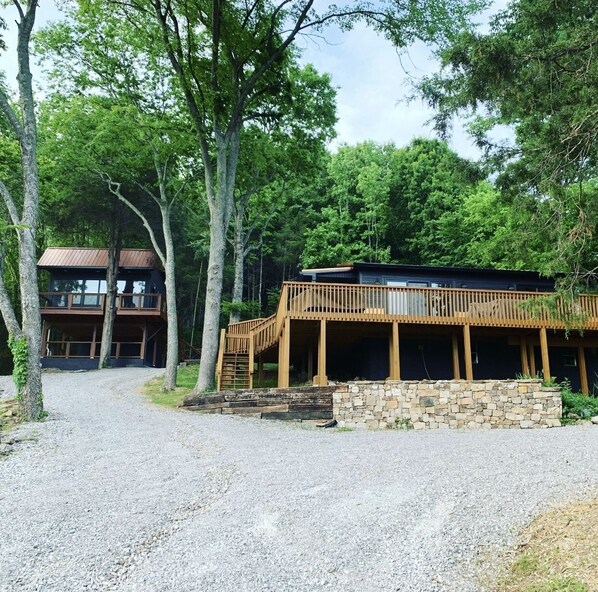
(73, 308)
(376, 321)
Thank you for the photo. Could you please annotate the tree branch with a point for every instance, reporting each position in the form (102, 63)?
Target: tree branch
(114, 188)
(6, 308)
(10, 204)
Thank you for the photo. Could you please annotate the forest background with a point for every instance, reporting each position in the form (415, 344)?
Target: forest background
(111, 113)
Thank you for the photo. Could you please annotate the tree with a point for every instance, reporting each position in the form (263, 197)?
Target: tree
(353, 225)
(137, 156)
(429, 181)
(536, 71)
(25, 337)
(229, 61)
(274, 162)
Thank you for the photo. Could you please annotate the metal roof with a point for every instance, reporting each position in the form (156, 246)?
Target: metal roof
(90, 258)
(403, 267)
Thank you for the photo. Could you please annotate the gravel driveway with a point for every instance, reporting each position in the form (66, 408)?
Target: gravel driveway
(113, 493)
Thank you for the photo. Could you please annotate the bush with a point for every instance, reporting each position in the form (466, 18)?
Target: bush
(576, 405)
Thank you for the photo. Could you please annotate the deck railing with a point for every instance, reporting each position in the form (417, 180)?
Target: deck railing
(443, 306)
(85, 349)
(127, 303)
(243, 327)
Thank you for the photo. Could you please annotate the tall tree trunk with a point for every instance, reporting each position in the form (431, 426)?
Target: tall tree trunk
(167, 259)
(172, 335)
(114, 249)
(239, 263)
(29, 381)
(220, 203)
(211, 319)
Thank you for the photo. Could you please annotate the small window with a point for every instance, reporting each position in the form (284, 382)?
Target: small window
(570, 360)
(418, 284)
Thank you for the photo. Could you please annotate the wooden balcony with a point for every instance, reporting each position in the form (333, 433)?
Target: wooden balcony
(401, 306)
(69, 303)
(437, 306)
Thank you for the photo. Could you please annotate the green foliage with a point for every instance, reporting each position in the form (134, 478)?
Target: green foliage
(185, 381)
(20, 356)
(534, 71)
(352, 227)
(559, 585)
(525, 565)
(401, 423)
(577, 404)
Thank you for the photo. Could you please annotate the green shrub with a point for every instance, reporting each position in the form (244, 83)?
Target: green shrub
(583, 406)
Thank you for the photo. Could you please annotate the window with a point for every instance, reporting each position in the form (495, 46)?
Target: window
(570, 360)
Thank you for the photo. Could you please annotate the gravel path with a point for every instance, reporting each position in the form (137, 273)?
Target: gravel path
(114, 494)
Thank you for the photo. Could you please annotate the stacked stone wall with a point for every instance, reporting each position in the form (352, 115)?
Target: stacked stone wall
(484, 404)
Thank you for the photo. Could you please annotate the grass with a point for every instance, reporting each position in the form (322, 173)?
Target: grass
(185, 382)
(559, 553)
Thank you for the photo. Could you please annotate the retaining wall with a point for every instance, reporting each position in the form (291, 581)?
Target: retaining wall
(479, 404)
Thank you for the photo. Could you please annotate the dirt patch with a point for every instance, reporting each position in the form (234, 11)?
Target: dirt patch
(558, 552)
(8, 413)
(9, 417)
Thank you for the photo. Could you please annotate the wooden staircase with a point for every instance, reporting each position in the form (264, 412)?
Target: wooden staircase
(234, 373)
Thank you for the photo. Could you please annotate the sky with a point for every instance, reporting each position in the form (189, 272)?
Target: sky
(372, 80)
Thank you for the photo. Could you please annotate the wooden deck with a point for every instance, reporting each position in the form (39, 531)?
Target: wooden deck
(396, 306)
(69, 303)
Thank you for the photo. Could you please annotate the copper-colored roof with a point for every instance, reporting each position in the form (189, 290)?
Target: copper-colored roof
(75, 257)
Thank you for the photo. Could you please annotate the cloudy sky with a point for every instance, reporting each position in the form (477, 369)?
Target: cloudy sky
(372, 82)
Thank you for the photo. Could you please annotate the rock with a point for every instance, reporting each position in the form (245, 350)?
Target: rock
(573, 416)
(594, 420)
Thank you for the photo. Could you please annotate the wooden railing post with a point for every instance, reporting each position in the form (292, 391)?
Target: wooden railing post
(220, 358)
(251, 358)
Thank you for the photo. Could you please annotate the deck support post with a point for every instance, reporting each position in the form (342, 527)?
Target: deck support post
(284, 354)
(583, 373)
(394, 353)
(92, 349)
(321, 379)
(260, 370)
(524, 361)
(531, 358)
(44, 345)
(544, 350)
(251, 360)
(467, 350)
(143, 342)
(456, 364)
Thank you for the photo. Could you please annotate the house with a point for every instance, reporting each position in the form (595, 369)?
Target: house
(376, 321)
(73, 308)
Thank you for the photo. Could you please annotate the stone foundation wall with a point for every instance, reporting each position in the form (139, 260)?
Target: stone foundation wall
(479, 404)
